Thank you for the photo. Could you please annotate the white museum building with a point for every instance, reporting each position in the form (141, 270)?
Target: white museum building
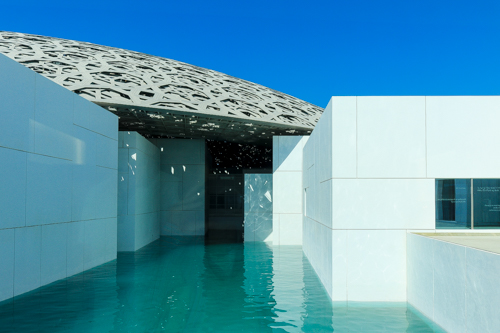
(392, 198)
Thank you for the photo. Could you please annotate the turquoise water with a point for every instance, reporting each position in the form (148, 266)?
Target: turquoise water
(182, 285)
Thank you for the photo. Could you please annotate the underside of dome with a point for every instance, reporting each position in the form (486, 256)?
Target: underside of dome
(162, 97)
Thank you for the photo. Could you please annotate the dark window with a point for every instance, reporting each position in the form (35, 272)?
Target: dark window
(467, 203)
(486, 198)
(453, 205)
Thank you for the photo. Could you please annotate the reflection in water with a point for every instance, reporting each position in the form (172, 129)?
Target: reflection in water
(182, 285)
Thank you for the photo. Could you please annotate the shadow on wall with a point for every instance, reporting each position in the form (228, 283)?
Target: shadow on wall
(285, 146)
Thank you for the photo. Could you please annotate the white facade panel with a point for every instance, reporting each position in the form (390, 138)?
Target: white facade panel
(94, 251)
(454, 285)
(49, 185)
(461, 131)
(7, 250)
(183, 223)
(323, 143)
(28, 247)
(17, 106)
(84, 176)
(391, 137)
(52, 168)
(289, 150)
(107, 124)
(383, 204)
(53, 253)
(344, 127)
(81, 113)
(449, 286)
(287, 204)
(106, 152)
(339, 265)
(139, 191)
(420, 273)
(376, 265)
(106, 192)
(290, 229)
(182, 186)
(75, 243)
(482, 292)
(288, 199)
(54, 121)
(12, 188)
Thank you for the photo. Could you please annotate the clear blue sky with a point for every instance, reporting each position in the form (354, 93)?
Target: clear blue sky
(309, 49)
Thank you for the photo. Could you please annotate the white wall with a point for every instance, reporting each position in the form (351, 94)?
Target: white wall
(182, 203)
(258, 208)
(287, 180)
(58, 181)
(138, 191)
(454, 285)
(369, 175)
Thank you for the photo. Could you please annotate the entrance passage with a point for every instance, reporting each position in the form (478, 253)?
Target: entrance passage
(227, 163)
(225, 209)
(183, 285)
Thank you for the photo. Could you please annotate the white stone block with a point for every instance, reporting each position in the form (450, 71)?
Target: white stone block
(106, 152)
(323, 145)
(324, 203)
(81, 112)
(7, 250)
(276, 229)
(289, 151)
(287, 192)
(171, 196)
(183, 223)
(376, 265)
(343, 147)
(172, 172)
(123, 188)
(84, 176)
(107, 124)
(200, 222)
(126, 233)
(95, 243)
(339, 265)
(290, 229)
(179, 151)
(106, 192)
(383, 204)
(193, 188)
(27, 259)
(449, 286)
(53, 258)
(53, 120)
(17, 93)
(482, 292)
(48, 195)
(12, 188)
(461, 131)
(111, 244)
(420, 273)
(75, 246)
(391, 136)
(166, 223)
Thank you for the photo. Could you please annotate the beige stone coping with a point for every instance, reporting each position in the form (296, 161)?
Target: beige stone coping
(482, 241)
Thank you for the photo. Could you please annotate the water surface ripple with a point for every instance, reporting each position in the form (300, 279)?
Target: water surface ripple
(179, 284)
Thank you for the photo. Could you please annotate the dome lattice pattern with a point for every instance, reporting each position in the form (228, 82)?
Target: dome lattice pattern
(163, 97)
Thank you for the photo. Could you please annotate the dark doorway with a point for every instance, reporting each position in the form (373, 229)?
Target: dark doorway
(227, 162)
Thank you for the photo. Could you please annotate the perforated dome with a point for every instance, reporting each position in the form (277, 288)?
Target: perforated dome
(162, 97)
